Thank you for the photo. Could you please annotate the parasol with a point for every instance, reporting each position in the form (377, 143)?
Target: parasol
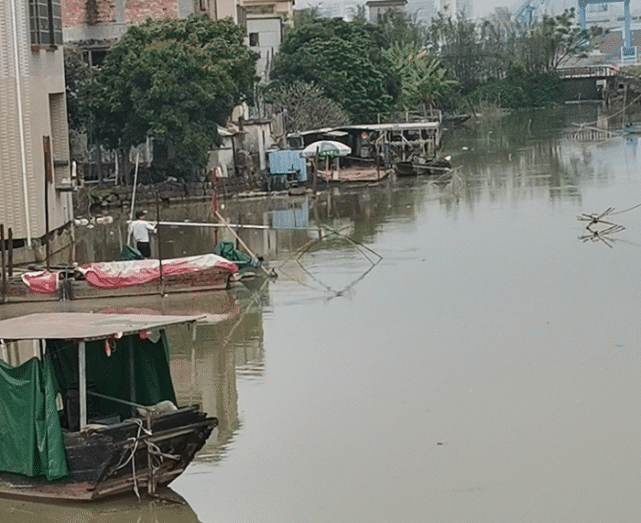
(325, 149)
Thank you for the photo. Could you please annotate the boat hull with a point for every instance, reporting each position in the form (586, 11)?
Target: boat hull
(105, 461)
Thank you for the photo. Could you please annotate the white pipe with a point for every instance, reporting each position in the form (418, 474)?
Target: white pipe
(20, 123)
(233, 225)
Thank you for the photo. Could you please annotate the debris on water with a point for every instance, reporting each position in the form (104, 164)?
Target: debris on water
(599, 229)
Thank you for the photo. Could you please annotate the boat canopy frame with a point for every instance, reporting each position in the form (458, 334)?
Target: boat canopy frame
(81, 328)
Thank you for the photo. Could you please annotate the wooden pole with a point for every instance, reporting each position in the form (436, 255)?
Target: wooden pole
(162, 279)
(10, 252)
(46, 145)
(82, 385)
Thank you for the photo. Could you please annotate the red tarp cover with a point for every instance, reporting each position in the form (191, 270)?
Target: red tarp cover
(44, 282)
(112, 275)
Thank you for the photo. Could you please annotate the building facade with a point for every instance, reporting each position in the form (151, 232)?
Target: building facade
(95, 25)
(34, 145)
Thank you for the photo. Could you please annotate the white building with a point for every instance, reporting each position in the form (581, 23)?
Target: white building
(34, 144)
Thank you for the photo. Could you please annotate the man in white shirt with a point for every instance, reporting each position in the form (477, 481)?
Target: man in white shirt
(139, 230)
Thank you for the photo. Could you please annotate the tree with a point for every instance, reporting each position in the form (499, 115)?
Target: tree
(422, 76)
(305, 106)
(395, 27)
(549, 42)
(341, 58)
(77, 80)
(175, 81)
(456, 42)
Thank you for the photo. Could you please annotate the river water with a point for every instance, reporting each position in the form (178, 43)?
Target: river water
(457, 350)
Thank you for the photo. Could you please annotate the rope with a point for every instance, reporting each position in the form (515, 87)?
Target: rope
(135, 440)
(626, 210)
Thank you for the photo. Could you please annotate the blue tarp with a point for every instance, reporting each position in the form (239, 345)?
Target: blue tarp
(288, 161)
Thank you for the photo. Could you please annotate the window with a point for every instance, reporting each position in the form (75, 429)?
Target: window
(45, 22)
(59, 136)
(253, 39)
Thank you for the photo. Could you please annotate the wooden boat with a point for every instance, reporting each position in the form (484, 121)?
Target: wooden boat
(403, 168)
(117, 428)
(123, 278)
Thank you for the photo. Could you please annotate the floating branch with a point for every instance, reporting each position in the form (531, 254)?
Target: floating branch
(600, 234)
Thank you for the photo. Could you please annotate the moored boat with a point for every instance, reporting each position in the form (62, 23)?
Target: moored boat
(123, 278)
(93, 413)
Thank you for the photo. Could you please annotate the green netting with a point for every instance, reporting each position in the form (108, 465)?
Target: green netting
(30, 434)
(136, 370)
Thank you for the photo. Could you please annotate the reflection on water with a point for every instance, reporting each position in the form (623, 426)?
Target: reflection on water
(168, 508)
(465, 377)
(206, 370)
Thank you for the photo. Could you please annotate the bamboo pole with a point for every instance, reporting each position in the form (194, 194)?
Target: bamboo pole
(162, 279)
(133, 196)
(244, 245)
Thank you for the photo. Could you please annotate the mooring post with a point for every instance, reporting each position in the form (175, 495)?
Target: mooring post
(10, 252)
(82, 384)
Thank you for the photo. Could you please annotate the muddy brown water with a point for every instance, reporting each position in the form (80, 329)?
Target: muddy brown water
(487, 369)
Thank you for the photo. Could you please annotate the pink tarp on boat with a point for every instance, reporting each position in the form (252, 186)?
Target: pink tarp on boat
(43, 282)
(113, 275)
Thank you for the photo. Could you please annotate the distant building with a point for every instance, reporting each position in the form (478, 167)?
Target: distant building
(265, 21)
(455, 7)
(34, 145)
(378, 8)
(346, 10)
(96, 25)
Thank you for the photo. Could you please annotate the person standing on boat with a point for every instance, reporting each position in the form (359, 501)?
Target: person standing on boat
(139, 229)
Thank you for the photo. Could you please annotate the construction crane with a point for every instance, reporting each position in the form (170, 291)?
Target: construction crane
(528, 11)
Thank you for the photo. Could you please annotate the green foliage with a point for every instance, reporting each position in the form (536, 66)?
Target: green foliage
(456, 41)
(395, 27)
(305, 16)
(343, 60)
(500, 61)
(545, 46)
(634, 70)
(421, 75)
(520, 89)
(78, 76)
(173, 80)
(305, 106)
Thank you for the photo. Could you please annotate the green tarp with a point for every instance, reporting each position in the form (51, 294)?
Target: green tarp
(240, 259)
(31, 441)
(129, 253)
(30, 435)
(111, 374)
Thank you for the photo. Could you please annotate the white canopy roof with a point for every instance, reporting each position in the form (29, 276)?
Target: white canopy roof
(84, 326)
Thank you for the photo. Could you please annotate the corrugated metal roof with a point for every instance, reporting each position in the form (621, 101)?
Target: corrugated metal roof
(84, 326)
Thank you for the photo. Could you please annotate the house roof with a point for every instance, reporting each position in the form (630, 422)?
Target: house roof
(84, 326)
